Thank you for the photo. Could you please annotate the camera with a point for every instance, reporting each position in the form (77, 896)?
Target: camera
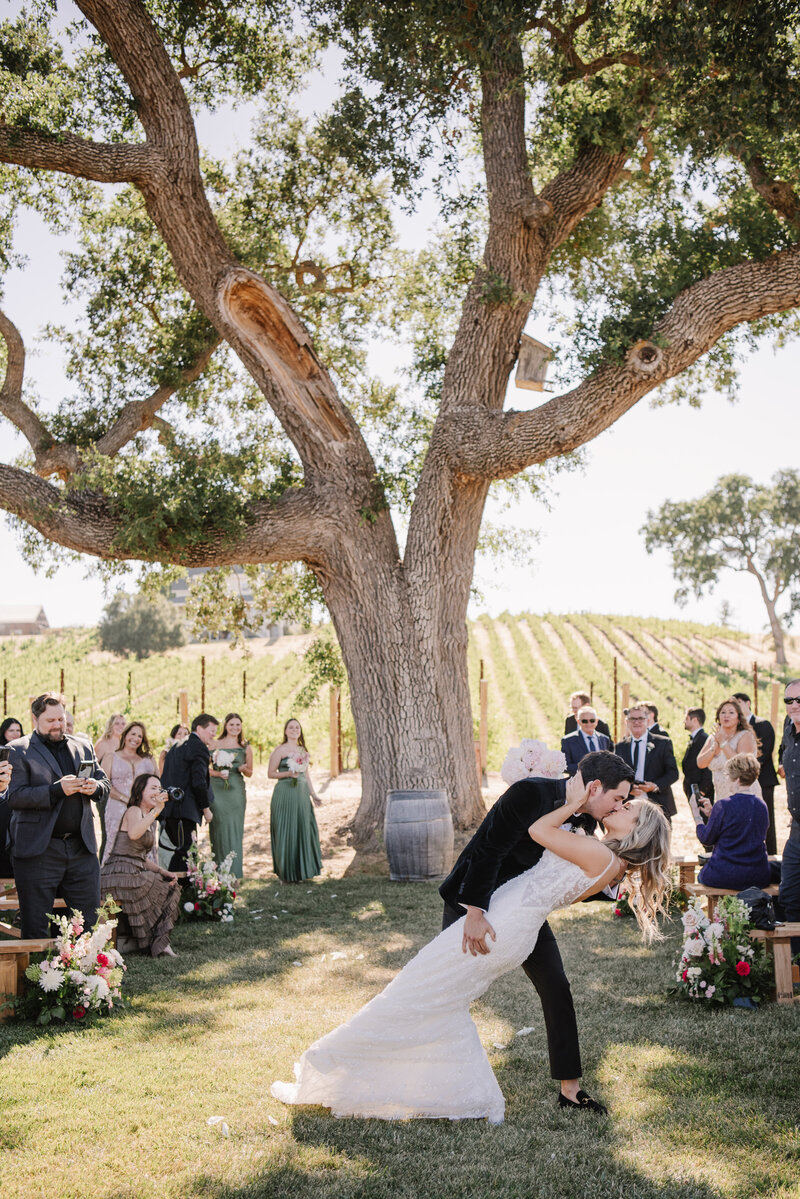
(174, 793)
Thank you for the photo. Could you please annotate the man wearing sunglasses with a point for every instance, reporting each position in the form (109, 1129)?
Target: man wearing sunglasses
(586, 740)
(789, 757)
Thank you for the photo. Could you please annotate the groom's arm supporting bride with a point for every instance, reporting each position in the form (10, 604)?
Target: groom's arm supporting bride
(501, 849)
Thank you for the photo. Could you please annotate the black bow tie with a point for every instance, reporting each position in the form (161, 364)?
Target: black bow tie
(583, 820)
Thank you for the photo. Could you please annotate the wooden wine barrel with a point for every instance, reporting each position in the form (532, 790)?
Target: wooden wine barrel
(418, 832)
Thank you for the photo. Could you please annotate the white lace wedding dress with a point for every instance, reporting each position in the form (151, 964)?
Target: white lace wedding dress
(413, 1050)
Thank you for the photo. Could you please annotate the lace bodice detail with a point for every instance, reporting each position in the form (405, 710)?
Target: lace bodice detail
(414, 1050)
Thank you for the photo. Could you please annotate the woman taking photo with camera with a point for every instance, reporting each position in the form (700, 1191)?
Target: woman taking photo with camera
(148, 895)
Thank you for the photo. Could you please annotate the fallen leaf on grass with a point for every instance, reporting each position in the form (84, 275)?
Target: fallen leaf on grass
(499, 1045)
(523, 1032)
(338, 954)
(297, 963)
(272, 1120)
(218, 1120)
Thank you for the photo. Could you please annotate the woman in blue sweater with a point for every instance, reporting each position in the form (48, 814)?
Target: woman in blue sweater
(735, 829)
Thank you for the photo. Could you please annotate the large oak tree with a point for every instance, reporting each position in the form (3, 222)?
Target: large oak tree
(637, 163)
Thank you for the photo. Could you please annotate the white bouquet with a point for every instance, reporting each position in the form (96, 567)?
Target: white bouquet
(298, 763)
(532, 760)
(223, 760)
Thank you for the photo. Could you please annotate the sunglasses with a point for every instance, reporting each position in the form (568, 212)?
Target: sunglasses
(791, 699)
(589, 721)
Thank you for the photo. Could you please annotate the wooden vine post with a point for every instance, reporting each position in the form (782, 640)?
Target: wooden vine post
(183, 706)
(130, 673)
(773, 707)
(203, 683)
(755, 688)
(626, 703)
(244, 685)
(336, 764)
(483, 743)
(61, 686)
(5, 698)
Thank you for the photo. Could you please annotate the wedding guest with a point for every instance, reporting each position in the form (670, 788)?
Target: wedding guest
(790, 769)
(115, 726)
(148, 895)
(109, 741)
(768, 779)
(693, 722)
(54, 779)
(177, 736)
(123, 766)
(652, 759)
(231, 764)
(735, 828)
(10, 730)
(732, 735)
(587, 740)
(187, 767)
(652, 721)
(577, 700)
(296, 852)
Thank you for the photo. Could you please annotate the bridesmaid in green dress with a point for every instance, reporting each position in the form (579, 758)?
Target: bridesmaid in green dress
(231, 764)
(296, 853)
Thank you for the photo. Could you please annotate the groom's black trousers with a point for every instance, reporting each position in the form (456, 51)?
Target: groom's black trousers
(546, 971)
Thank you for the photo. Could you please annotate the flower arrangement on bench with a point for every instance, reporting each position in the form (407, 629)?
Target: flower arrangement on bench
(80, 977)
(209, 890)
(718, 961)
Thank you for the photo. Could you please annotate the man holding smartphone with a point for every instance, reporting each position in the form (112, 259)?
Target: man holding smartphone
(54, 852)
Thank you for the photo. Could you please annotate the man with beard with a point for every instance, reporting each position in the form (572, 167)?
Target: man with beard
(54, 851)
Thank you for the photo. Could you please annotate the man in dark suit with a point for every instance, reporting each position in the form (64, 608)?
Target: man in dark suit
(652, 722)
(186, 766)
(765, 735)
(578, 700)
(652, 760)
(501, 849)
(54, 851)
(587, 740)
(693, 723)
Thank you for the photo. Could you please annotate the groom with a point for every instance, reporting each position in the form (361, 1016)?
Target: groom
(501, 849)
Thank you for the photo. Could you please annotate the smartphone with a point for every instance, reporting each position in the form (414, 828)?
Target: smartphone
(86, 771)
(5, 753)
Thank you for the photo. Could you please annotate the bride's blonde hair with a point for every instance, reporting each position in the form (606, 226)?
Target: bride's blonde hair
(647, 850)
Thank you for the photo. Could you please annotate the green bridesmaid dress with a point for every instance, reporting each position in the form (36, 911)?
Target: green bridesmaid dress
(226, 830)
(293, 831)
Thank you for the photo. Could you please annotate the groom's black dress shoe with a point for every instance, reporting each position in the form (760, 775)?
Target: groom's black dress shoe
(585, 1103)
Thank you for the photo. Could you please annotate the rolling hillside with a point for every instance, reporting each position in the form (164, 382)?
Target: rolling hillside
(532, 663)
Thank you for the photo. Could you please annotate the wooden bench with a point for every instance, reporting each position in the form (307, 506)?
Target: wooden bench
(9, 902)
(711, 894)
(786, 975)
(14, 961)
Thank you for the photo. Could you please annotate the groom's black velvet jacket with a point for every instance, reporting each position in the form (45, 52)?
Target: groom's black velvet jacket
(502, 847)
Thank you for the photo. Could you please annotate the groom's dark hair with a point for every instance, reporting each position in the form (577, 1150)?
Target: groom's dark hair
(609, 769)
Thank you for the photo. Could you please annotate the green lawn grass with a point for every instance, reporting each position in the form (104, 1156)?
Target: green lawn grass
(703, 1103)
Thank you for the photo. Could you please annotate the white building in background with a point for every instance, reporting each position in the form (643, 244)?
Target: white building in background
(22, 619)
(238, 585)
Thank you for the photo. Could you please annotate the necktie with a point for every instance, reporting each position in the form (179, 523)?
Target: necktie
(592, 746)
(637, 756)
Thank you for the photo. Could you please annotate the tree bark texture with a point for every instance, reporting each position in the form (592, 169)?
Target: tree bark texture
(401, 623)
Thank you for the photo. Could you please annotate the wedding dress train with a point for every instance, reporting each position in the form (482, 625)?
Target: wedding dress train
(413, 1050)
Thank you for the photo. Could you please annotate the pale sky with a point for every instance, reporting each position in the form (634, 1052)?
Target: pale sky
(590, 555)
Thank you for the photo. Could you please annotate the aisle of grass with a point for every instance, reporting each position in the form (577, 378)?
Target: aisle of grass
(703, 1103)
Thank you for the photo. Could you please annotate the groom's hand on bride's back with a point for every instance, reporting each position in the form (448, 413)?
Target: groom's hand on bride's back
(476, 930)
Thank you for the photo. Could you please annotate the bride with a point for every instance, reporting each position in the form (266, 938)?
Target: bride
(413, 1050)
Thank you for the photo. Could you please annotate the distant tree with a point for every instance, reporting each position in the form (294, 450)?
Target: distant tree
(140, 625)
(726, 614)
(737, 525)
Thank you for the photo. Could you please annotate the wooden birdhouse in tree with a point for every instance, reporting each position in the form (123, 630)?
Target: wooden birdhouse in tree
(532, 364)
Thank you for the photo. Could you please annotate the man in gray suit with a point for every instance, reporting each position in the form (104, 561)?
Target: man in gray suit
(54, 851)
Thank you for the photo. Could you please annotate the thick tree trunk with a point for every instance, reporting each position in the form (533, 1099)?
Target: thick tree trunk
(406, 656)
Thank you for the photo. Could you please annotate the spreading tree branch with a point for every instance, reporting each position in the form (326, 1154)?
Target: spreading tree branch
(492, 445)
(777, 193)
(71, 155)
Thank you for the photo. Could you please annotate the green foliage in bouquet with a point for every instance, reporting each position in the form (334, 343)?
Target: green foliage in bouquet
(718, 961)
(79, 977)
(210, 890)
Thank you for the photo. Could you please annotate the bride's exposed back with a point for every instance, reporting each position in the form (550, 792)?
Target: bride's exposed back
(413, 1050)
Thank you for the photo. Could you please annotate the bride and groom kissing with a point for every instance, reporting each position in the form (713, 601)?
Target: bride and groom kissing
(413, 1050)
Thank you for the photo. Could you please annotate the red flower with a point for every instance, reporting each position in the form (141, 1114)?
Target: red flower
(78, 1013)
(102, 960)
(233, 894)
(685, 975)
(617, 911)
(197, 907)
(743, 969)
